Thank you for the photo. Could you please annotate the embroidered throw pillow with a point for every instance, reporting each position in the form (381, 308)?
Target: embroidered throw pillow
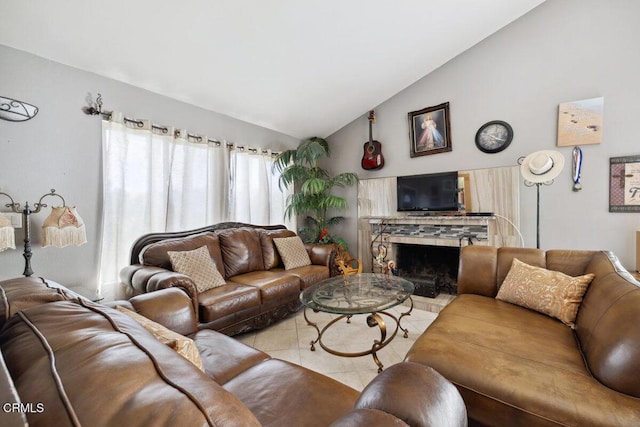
(550, 292)
(292, 252)
(181, 344)
(198, 265)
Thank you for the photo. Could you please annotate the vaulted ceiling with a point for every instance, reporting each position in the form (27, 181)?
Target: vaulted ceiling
(299, 67)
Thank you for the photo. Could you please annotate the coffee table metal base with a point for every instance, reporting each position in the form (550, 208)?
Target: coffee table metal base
(373, 320)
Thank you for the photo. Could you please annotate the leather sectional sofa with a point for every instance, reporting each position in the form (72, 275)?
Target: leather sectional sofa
(258, 290)
(518, 367)
(67, 361)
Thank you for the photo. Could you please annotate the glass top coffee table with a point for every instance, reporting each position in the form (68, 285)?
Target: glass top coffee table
(366, 293)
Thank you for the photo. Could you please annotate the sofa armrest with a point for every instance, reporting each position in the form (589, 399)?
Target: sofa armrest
(169, 307)
(140, 279)
(408, 393)
(323, 254)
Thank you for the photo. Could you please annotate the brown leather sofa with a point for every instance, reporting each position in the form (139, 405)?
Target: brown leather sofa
(517, 367)
(258, 289)
(67, 361)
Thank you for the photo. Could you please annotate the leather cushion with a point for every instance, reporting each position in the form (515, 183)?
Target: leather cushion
(241, 251)
(272, 285)
(225, 357)
(226, 300)
(515, 366)
(308, 275)
(290, 395)
(24, 292)
(269, 251)
(156, 254)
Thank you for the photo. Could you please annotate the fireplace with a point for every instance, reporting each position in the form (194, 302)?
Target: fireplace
(433, 269)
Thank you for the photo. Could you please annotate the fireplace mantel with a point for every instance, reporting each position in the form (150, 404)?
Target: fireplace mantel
(445, 230)
(434, 230)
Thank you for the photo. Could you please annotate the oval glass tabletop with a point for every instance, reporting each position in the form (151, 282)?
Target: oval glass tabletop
(357, 293)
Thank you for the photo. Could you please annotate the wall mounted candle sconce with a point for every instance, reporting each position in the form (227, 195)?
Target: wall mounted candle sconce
(94, 108)
(16, 111)
(63, 227)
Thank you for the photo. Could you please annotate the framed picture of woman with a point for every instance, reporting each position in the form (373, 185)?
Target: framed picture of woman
(430, 131)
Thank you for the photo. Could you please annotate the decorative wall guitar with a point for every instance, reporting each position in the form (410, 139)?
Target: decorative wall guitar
(372, 158)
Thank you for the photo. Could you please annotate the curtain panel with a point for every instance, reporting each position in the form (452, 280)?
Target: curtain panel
(157, 178)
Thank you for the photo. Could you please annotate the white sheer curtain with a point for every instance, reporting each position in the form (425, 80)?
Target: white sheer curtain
(136, 162)
(199, 189)
(156, 179)
(254, 194)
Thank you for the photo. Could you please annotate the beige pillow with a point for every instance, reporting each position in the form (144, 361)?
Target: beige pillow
(181, 344)
(198, 265)
(292, 252)
(550, 292)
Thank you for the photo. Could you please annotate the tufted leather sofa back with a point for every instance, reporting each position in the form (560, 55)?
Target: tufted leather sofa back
(156, 254)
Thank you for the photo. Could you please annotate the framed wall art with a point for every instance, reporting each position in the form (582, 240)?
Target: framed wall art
(430, 131)
(624, 184)
(580, 122)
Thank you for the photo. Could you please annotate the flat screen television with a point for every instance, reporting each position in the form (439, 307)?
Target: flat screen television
(428, 192)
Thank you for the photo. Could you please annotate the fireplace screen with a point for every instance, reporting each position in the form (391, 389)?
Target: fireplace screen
(432, 269)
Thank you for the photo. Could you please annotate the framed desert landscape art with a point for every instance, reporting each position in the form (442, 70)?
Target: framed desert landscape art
(580, 122)
(430, 131)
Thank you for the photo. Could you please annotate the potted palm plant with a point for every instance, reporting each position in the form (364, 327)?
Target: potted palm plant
(313, 188)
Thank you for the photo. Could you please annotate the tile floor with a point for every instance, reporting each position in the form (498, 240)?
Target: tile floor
(290, 338)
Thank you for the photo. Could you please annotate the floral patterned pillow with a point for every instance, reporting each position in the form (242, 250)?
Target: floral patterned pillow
(550, 292)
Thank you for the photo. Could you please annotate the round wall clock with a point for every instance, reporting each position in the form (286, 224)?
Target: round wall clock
(494, 136)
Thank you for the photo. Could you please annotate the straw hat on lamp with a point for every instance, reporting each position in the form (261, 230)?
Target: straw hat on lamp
(542, 166)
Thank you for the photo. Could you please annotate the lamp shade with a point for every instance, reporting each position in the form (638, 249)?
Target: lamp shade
(63, 227)
(7, 234)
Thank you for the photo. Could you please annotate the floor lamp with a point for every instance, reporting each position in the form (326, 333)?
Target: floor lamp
(63, 227)
(540, 168)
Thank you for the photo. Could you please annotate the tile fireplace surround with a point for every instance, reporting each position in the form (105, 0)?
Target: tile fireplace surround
(435, 231)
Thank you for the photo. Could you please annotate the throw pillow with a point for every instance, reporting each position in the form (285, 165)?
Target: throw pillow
(292, 252)
(550, 292)
(184, 346)
(197, 264)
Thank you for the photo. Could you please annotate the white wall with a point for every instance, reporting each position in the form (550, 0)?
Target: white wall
(61, 148)
(564, 50)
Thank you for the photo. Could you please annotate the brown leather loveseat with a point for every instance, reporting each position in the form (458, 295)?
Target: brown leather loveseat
(67, 361)
(257, 289)
(518, 367)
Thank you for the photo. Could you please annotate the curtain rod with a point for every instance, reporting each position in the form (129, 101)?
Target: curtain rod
(95, 109)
